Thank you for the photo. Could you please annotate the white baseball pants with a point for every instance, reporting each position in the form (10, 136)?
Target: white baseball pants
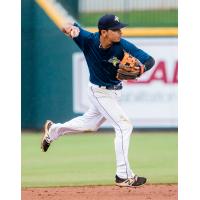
(104, 106)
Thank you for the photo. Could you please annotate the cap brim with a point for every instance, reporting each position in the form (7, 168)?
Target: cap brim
(118, 26)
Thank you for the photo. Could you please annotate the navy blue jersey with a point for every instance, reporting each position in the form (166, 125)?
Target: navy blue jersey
(102, 70)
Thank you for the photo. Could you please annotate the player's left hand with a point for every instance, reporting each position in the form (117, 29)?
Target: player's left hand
(129, 68)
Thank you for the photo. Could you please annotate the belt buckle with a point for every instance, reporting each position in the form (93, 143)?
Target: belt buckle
(103, 87)
(118, 87)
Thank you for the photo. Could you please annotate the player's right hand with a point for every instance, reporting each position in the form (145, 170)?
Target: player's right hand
(70, 30)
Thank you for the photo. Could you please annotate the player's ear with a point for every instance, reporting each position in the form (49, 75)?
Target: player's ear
(104, 33)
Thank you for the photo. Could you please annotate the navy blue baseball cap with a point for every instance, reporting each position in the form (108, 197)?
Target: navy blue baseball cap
(111, 22)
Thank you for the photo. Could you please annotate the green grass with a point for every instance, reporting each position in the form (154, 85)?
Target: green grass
(89, 159)
(147, 18)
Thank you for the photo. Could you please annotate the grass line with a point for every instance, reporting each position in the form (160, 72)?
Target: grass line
(147, 18)
(89, 159)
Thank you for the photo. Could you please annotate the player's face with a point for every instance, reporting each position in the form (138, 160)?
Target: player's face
(114, 35)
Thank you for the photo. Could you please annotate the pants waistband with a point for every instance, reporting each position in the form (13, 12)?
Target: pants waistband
(111, 87)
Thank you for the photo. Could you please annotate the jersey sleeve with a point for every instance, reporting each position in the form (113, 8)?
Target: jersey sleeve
(135, 51)
(81, 39)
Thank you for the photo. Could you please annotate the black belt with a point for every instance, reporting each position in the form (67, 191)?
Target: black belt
(113, 87)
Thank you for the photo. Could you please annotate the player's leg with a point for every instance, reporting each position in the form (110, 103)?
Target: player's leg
(108, 105)
(90, 121)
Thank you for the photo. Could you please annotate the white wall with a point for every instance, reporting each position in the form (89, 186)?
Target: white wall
(152, 100)
(117, 5)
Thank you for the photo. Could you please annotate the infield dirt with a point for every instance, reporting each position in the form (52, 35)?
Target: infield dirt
(147, 192)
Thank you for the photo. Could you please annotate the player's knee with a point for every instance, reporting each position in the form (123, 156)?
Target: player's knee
(92, 128)
(129, 127)
(95, 128)
(126, 126)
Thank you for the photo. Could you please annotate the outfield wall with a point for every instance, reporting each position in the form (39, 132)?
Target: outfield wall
(46, 70)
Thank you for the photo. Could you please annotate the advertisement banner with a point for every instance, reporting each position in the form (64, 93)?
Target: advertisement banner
(151, 101)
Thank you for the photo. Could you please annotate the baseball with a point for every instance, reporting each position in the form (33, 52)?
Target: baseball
(74, 32)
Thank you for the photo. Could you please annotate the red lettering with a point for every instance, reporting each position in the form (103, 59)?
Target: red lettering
(175, 77)
(159, 73)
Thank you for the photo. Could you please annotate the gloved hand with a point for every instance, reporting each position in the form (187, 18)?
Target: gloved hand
(129, 68)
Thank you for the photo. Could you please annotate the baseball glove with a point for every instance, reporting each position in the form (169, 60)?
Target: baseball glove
(129, 68)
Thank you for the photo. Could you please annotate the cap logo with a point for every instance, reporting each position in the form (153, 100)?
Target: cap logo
(116, 18)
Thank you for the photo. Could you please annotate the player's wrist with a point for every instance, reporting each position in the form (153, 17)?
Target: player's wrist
(142, 69)
(70, 30)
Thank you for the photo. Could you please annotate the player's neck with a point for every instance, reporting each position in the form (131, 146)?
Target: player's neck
(104, 43)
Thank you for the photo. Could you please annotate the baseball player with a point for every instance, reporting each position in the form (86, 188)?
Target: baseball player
(110, 60)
